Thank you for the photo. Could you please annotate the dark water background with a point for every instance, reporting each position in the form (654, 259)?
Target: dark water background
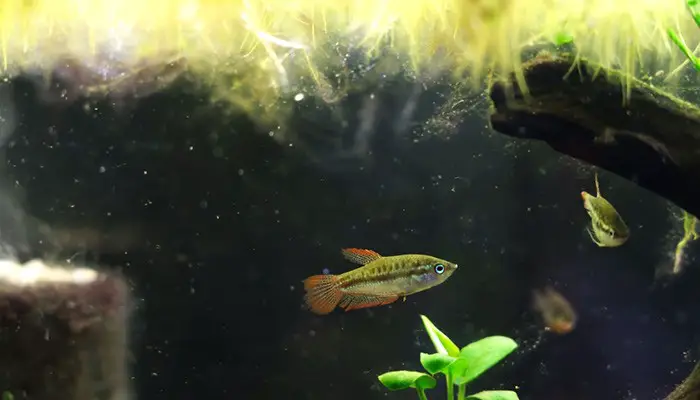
(229, 221)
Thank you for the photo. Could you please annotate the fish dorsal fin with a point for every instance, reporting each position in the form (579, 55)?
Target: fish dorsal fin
(597, 186)
(360, 256)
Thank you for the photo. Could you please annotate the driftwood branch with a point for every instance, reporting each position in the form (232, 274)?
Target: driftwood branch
(579, 109)
(689, 389)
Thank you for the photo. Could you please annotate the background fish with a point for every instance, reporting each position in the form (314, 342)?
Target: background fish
(608, 228)
(557, 313)
(380, 281)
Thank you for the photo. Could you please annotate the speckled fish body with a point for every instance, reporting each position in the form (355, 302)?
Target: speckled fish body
(379, 281)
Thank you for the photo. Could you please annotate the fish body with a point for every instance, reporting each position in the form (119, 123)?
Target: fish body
(379, 281)
(607, 227)
(557, 313)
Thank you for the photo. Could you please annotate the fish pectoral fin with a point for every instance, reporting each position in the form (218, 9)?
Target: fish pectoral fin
(357, 301)
(360, 256)
(593, 238)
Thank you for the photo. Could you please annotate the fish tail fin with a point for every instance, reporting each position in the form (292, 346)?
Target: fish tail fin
(322, 293)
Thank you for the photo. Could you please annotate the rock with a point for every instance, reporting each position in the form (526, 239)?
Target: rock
(64, 330)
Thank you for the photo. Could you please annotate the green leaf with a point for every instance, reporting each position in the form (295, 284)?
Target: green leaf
(457, 369)
(434, 363)
(563, 38)
(482, 355)
(399, 380)
(7, 395)
(442, 343)
(494, 395)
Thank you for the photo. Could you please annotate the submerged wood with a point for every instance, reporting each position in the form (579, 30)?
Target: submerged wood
(578, 109)
(689, 389)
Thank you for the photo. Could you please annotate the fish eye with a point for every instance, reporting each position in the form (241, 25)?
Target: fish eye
(439, 268)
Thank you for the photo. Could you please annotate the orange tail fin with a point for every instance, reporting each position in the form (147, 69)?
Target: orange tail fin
(322, 293)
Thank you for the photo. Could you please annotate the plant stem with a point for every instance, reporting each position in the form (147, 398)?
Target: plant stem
(421, 394)
(450, 387)
(692, 4)
(682, 46)
(462, 391)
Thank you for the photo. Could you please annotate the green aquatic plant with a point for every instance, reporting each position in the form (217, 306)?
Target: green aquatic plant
(401, 380)
(7, 395)
(459, 366)
(562, 38)
(689, 222)
(678, 40)
(693, 8)
(689, 234)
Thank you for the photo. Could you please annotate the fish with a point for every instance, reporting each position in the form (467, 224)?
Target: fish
(557, 313)
(381, 280)
(608, 228)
